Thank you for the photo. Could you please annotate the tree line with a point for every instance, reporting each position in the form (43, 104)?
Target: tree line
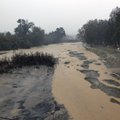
(102, 32)
(26, 35)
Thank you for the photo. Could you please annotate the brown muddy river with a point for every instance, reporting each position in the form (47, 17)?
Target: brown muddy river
(83, 83)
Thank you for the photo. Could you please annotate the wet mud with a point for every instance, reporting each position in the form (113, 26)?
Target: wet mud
(26, 94)
(79, 55)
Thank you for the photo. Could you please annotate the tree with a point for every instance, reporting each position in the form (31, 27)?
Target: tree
(55, 36)
(102, 32)
(60, 32)
(37, 36)
(94, 32)
(114, 22)
(23, 29)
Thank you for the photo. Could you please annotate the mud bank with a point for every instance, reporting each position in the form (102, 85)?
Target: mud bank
(26, 94)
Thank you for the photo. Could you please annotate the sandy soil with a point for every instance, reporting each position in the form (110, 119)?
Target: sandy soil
(83, 83)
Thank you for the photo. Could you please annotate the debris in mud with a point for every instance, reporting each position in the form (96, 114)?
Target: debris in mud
(14, 86)
(67, 62)
(106, 73)
(92, 78)
(112, 82)
(97, 63)
(86, 64)
(114, 101)
(116, 75)
(78, 55)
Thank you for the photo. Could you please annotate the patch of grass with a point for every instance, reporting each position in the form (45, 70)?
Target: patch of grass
(67, 62)
(112, 82)
(115, 101)
(23, 59)
(111, 56)
(116, 75)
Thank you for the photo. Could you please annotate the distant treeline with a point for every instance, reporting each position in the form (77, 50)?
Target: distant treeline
(27, 35)
(102, 32)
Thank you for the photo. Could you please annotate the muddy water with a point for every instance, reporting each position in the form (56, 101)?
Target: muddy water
(71, 89)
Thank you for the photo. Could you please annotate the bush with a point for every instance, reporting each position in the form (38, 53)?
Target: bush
(24, 59)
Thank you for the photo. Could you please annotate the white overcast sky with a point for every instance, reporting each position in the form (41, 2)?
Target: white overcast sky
(49, 14)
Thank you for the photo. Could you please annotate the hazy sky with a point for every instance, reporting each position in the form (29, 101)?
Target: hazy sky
(49, 14)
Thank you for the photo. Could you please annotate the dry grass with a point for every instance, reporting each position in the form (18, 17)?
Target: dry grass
(109, 55)
(23, 59)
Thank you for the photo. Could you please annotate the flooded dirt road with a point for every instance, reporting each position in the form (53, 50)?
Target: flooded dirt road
(73, 86)
(83, 83)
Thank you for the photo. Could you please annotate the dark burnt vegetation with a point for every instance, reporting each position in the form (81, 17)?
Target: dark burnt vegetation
(23, 59)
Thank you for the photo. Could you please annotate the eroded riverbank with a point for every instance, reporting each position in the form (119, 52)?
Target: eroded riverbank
(25, 94)
(79, 83)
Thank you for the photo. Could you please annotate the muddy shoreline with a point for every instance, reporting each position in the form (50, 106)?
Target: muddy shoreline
(26, 94)
(79, 82)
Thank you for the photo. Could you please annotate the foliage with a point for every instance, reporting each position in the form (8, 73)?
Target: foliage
(23, 28)
(36, 36)
(22, 59)
(102, 32)
(28, 35)
(55, 36)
